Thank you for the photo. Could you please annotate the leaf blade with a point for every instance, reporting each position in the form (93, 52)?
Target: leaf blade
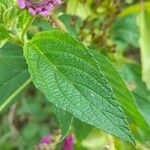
(64, 70)
(13, 74)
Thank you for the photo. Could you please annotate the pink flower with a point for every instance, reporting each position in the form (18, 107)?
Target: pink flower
(68, 143)
(46, 139)
(40, 7)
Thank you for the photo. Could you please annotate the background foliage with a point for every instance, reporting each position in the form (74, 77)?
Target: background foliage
(117, 37)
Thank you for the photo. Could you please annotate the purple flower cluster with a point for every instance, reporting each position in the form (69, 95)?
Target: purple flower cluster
(46, 139)
(68, 143)
(40, 7)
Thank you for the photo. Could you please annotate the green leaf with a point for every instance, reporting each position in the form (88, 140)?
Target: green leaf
(122, 93)
(65, 121)
(4, 35)
(64, 70)
(82, 130)
(73, 24)
(23, 18)
(132, 74)
(14, 75)
(144, 27)
(10, 17)
(24, 22)
(125, 31)
(134, 9)
(4, 5)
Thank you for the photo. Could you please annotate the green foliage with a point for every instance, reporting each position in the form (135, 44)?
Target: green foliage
(75, 7)
(73, 24)
(34, 118)
(23, 19)
(132, 74)
(81, 127)
(122, 93)
(65, 121)
(14, 75)
(124, 32)
(4, 35)
(87, 96)
(144, 27)
(4, 5)
(15, 22)
(8, 13)
(71, 79)
(10, 17)
(134, 9)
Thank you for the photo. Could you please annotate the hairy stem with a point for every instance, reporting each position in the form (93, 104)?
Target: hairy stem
(57, 23)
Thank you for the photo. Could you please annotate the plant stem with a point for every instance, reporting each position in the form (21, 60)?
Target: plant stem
(142, 4)
(54, 19)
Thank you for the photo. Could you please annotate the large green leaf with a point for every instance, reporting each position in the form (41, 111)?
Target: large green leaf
(122, 93)
(14, 75)
(70, 78)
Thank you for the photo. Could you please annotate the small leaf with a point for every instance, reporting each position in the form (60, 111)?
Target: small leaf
(64, 70)
(72, 24)
(10, 17)
(4, 35)
(14, 75)
(144, 27)
(125, 31)
(23, 19)
(3, 6)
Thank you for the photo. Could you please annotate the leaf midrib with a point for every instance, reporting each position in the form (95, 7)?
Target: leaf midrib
(96, 63)
(1, 85)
